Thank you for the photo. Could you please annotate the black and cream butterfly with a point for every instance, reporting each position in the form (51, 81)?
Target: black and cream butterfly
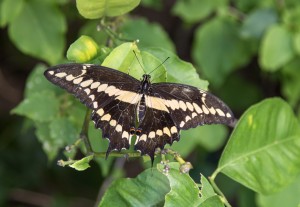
(123, 106)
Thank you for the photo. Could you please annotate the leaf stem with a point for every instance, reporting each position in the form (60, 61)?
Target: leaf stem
(217, 189)
(84, 134)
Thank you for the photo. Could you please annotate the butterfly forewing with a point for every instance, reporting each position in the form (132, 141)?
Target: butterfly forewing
(112, 95)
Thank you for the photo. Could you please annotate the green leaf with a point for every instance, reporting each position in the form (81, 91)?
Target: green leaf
(291, 17)
(291, 82)
(219, 50)
(148, 34)
(82, 164)
(210, 137)
(184, 191)
(95, 9)
(44, 36)
(62, 129)
(264, 148)
(42, 106)
(147, 189)
(36, 82)
(178, 71)
(50, 145)
(256, 23)
(276, 48)
(192, 11)
(123, 59)
(288, 197)
(82, 50)
(297, 43)
(9, 10)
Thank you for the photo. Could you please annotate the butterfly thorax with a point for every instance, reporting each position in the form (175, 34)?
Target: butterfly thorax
(145, 89)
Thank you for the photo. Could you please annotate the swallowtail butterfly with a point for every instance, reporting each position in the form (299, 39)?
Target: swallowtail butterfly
(123, 106)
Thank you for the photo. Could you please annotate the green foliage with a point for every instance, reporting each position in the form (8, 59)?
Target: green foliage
(249, 50)
(95, 9)
(266, 130)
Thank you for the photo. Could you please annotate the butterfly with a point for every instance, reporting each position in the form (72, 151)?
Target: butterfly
(123, 106)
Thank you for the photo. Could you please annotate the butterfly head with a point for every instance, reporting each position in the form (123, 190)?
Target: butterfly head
(146, 78)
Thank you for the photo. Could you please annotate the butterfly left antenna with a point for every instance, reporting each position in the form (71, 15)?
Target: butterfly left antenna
(139, 61)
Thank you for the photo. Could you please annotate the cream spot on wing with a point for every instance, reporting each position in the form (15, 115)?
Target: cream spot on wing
(187, 118)
(159, 132)
(70, 77)
(128, 97)
(151, 135)
(212, 110)
(118, 128)
(205, 110)
(102, 87)
(86, 83)
(106, 117)
(189, 106)
(156, 103)
(95, 85)
(143, 138)
(92, 97)
(111, 90)
(95, 104)
(125, 135)
(228, 115)
(61, 75)
(78, 80)
(197, 108)
(194, 114)
(182, 105)
(173, 104)
(51, 72)
(113, 122)
(220, 112)
(87, 91)
(173, 130)
(182, 123)
(167, 131)
(100, 112)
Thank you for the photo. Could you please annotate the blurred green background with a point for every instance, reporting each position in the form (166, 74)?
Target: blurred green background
(246, 50)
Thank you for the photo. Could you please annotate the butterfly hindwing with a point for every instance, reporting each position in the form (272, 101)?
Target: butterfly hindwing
(190, 107)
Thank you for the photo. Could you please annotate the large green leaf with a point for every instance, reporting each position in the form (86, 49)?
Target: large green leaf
(144, 31)
(95, 9)
(192, 11)
(147, 189)
(256, 23)
(178, 71)
(276, 48)
(288, 197)
(41, 107)
(184, 191)
(9, 10)
(123, 59)
(219, 50)
(44, 36)
(263, 152)
(36, 82)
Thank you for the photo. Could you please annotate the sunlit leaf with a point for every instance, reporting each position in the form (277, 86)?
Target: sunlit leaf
(95, 9)
(264, 148)
(276, 48)
(44, 36)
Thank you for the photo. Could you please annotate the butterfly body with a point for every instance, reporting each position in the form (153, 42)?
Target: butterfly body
(123, 106)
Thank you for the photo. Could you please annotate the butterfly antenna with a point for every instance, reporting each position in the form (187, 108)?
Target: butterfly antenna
(139, 61)
(159, 65)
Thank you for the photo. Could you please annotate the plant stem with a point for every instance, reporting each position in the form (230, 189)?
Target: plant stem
(84, 134)
(217, 190)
